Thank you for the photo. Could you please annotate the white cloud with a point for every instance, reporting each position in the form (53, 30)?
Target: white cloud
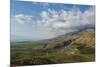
(21, 18)
(57, 23)
(66, 20)
(89, 16)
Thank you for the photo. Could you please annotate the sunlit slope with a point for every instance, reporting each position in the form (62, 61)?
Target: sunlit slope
(86, 37)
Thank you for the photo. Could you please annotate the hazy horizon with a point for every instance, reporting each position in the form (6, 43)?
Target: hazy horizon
(39, 21)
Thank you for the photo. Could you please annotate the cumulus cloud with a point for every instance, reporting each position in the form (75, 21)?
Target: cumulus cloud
(59, 22)
(21, 18)
(89, 16)
(67, 20)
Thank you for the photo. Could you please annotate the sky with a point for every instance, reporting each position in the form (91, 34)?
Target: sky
(39, 20)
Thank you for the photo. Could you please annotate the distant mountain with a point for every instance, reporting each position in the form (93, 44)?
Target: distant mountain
(85, 36)
(79, 29)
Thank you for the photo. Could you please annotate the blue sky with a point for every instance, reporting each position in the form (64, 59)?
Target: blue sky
(37, 20)
(33, 9)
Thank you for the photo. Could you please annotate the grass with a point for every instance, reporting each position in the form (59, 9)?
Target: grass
(51, 58)
(22, 56)
(55, 51)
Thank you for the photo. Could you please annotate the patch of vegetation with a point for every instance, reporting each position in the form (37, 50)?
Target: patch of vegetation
(86, 50)
(76, 48)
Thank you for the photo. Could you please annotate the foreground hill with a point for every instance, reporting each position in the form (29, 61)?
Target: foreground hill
(74, 47)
